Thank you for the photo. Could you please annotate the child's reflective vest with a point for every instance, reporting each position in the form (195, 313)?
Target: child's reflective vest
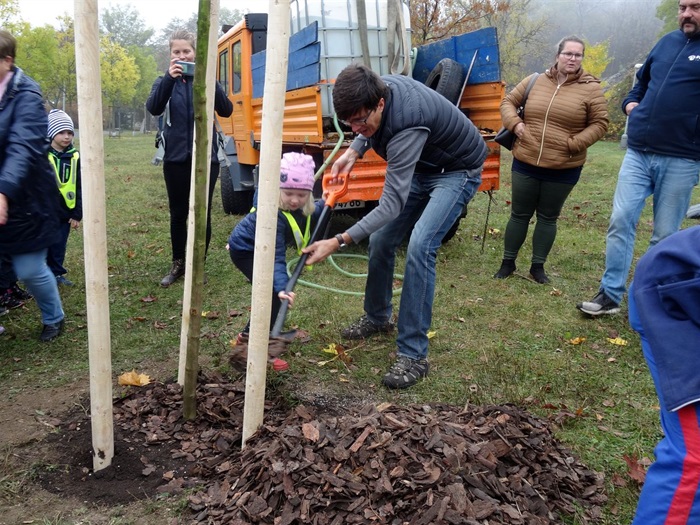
(67, 176)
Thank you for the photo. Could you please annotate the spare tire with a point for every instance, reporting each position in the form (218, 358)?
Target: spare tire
(447, 78)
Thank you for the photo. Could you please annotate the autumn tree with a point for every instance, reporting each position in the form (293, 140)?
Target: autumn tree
(120, 76)
(48, 56)
(433, 20)
(522, 39)
(597, 58)
(9, 14)
(667, 12)
(124, 25)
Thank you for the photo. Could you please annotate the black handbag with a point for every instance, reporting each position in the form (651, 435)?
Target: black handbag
(506, 137)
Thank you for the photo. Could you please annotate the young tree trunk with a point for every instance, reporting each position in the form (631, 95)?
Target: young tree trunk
(203, 87)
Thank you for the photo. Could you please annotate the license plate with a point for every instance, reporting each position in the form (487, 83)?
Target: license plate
(350, 205)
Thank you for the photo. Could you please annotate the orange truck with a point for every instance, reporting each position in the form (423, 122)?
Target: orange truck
(326, 36)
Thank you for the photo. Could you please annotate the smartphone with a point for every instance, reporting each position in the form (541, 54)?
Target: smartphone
(187, 68)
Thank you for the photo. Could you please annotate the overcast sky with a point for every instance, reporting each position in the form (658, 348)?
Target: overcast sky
(156, 13)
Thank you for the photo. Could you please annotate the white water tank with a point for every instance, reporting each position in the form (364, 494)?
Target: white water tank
(339, 35)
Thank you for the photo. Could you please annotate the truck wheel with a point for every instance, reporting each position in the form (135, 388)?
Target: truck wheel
(234, 202)
(447, 79)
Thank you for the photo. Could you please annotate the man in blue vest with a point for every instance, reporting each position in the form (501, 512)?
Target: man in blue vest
(434, 156)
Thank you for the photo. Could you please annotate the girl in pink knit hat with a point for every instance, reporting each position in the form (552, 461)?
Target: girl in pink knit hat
(296, 220)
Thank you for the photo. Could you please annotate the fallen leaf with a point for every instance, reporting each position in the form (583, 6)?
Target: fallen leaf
(330, 349)
(133, 378)
(149, 299)
(577, 340)
(635, 470)
(555, 292)
(431, 334)
(619, 341)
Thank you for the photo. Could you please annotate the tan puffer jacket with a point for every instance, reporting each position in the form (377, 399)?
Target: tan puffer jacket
(561, 121)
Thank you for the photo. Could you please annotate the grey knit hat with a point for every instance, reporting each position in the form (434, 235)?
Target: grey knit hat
(59, 121)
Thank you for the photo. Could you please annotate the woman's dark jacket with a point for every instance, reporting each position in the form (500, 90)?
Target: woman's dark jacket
(26, 176)
(179, 134)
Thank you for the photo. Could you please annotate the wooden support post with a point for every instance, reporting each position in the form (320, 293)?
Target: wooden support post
(268, 197)
(87, 58)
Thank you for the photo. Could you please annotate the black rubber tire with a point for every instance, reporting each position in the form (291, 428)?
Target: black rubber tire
(234, 202)
(447, 78)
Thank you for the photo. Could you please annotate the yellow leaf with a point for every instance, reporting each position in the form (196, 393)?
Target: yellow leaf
(331, 349)
(133, 378)
(577, 340)
(619, 341)
(431, 334)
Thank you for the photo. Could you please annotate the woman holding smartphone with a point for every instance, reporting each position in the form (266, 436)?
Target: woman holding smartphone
(172, 97)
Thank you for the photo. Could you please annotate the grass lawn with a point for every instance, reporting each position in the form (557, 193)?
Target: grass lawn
(510, 341)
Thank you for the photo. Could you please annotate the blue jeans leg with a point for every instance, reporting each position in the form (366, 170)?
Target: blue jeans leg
(671, 181)
(31, 268)
(434, 204)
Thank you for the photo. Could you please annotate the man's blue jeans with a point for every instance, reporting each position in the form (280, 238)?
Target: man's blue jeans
(670, 180)
(31, 268)
(434, 204)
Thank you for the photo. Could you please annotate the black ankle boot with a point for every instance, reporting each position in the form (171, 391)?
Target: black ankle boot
(177, 270)
(507, 268)
(537, 273)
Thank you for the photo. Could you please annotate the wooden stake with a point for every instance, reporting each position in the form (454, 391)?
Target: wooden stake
(87, 57)
(268, 197)
(203, 89)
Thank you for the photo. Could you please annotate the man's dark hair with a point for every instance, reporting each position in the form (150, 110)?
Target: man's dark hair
(357, 88)
(8, 44)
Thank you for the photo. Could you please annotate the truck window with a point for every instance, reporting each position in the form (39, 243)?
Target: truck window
(237, 59)
(223, 70)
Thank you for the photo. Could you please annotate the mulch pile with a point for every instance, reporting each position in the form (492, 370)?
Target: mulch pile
(420, 464)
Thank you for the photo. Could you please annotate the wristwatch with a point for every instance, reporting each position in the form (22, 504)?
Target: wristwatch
(341, 241)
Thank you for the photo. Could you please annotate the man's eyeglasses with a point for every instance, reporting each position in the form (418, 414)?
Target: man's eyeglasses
(358, 121)
(568, 55)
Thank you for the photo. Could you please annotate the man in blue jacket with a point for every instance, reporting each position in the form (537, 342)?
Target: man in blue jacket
(662, 159)
(434, 157)
(664, 307)
(28, 193)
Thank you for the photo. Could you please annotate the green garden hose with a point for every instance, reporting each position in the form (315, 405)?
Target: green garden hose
(331, 259)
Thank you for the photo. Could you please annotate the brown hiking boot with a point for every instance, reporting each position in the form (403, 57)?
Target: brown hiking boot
(176, 271)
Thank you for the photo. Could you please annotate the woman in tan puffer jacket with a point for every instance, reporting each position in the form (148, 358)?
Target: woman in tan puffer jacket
(565, 113)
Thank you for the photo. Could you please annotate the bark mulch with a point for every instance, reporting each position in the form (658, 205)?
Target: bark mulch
(417, 464)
